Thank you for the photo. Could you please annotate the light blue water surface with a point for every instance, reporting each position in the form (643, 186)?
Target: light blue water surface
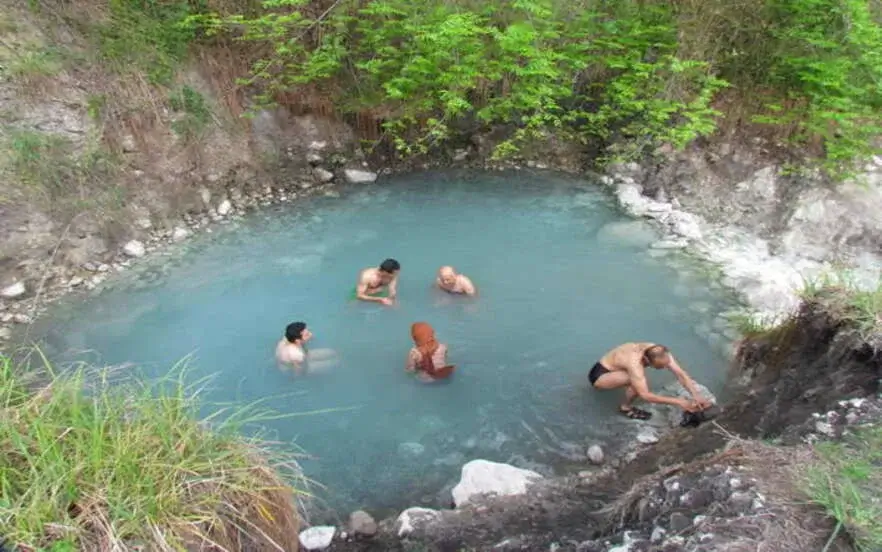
(559, 285)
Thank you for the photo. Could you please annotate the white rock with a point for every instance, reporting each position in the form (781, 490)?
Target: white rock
(485, 477)
(671, 244)
(414, 519)
(14, 291)
(224, 208)
(20, 318)
(144, 224)
(313, 158)
(180, 234)
(318, 145)
(647, 435)
(825, 429)
(595, 454)
(658, 535)
(206, 196)
(75, 281)
(323, 175)
(355, 176)
(462, 155)
(317, 538)
(684, 224)
(134, 249)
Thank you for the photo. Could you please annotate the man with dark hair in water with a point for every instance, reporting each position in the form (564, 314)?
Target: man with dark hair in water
(379, 285)
(625, 366)
(291, 350)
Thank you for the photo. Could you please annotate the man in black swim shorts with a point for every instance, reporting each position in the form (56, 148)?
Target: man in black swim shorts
(625, 366)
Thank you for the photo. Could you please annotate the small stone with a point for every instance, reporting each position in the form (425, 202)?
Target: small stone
(205, 193)
(89, 266)
(698, 520)
(858, 402)
(318, 145)
(595, 454)
(671, 244)
(852, 418)
(741, 502)
(224, 208)
(104, 268)
(323, 175)
(20, 318)
(825, 429)
(317, 538)
(180, 234)
(355, 176)
(75, 282)
(144, 223)
(460, 155)
(134, 249)
(313, 158)
(7, 317)
(735, 483)
(361, 523)
(658, 535)
(679, 522)
(14, 291)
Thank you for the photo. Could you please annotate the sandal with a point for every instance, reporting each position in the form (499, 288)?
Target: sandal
(636, 413)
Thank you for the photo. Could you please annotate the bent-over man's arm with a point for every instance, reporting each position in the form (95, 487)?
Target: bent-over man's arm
(393, 288)
(687, 382)
(467, 286)
(362, 287)
(638, 383)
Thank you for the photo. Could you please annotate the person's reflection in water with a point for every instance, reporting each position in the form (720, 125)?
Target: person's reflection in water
(427, 358)
(291, 351)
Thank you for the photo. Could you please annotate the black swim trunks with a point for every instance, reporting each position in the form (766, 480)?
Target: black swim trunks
(598, 370)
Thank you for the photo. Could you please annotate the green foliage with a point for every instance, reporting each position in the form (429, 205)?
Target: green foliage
(192, 113)
(842, 294)
(96, 461)
(29, 65)
(845, 481)
(145, 35)
(48, 169)
(530, 64)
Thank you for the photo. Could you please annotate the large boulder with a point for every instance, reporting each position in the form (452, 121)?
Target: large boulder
(482, 477)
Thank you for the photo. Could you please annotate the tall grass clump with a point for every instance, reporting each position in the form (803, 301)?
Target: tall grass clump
(843, 296)
(90, 460)
(845, 481)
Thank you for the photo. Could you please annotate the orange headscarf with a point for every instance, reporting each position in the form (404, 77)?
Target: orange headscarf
(424, 339)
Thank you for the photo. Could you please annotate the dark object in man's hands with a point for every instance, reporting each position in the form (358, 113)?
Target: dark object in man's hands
(695, 419)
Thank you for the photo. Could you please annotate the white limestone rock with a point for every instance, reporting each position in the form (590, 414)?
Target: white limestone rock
(484, 477)
(180, 234)
(14, 291)
(647, 435)
(323, 175)
(205, 194)
(414, 519)
(595, 454)
(224, 208)
(134, 249)
(317, 538)
(355, 176)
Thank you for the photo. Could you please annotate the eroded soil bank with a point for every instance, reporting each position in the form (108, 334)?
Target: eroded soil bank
(721, 486)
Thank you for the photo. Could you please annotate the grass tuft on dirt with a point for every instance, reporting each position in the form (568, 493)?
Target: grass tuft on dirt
(845, 480)
(92, 460)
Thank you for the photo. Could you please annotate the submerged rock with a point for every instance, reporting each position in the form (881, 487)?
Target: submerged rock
(14, 291)
(414, 519)
(323, 175)
(134, 249)
(317, 538)
(355, 176)
(362, 523)
(647, 435)
(485, 477)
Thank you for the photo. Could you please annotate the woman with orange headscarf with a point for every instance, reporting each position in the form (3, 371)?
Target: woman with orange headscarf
(427, 357)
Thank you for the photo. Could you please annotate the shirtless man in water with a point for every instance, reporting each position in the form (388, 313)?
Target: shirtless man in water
(625, 366)
(373, 282)
(291, 350)
(451, 282)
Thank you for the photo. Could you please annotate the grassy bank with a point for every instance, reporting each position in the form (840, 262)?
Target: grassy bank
(845, 481)
(90, 460)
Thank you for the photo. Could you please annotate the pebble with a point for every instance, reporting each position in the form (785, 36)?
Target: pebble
(595, 454)
(224, 208)
(20, 318)
(76, 281)
(658, 535)
(825, 429)
(647, 436)
(134, 249)
(361, 523)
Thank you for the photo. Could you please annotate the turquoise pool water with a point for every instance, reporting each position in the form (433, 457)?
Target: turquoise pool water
(562, 278)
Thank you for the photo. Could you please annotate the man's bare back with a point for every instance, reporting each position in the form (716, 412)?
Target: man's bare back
(625, 367)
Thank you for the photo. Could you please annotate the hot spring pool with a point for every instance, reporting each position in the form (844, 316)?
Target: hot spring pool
(562, 278)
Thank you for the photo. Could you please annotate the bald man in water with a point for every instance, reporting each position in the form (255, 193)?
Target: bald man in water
(625, 367)
(451, 282)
